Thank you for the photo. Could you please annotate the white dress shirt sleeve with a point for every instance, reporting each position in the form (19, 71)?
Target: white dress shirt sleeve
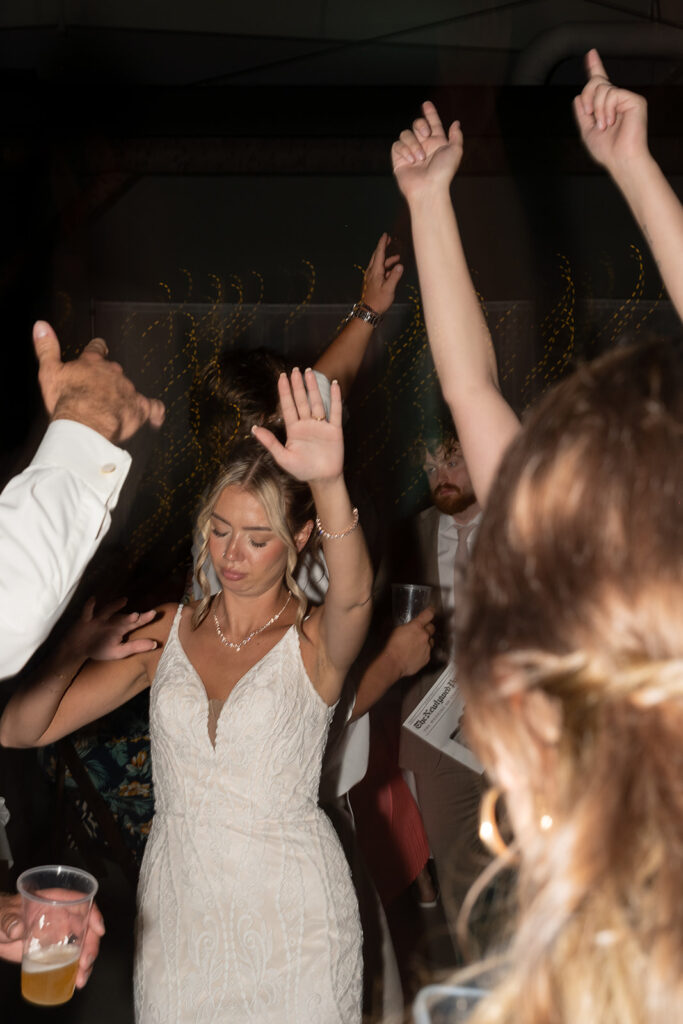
(52, 519)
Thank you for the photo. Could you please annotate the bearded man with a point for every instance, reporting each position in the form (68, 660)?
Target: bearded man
(448, 793)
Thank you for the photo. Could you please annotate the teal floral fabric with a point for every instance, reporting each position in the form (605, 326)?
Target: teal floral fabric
(116, 754)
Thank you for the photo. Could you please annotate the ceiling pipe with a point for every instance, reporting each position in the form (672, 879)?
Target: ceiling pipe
(536, 62)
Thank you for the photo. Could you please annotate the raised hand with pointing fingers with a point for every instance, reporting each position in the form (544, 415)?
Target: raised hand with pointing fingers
(63, 499)
(612, 121)
(91, 389)
(613, 127)
(381, 277)
(425, 154)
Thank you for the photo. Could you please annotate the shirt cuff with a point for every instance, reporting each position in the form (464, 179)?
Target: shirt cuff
(81, 450)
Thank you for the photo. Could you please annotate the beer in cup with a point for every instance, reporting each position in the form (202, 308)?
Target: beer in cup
(56, 903)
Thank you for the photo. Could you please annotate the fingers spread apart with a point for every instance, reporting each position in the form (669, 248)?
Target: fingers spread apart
(315, 402)
(299, 394)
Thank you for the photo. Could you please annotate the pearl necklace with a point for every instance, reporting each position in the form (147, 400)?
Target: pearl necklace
(245, 640)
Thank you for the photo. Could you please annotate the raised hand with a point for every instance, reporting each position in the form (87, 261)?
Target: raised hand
(381, 277)
(90, 389)
(425, 155)
(612, 121)
(105, 636)
(314, 450)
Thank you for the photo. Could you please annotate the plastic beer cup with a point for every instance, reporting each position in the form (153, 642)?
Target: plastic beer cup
(56, 904)
(408, 600)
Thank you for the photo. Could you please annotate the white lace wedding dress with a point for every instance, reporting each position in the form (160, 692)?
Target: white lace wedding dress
(246, 911)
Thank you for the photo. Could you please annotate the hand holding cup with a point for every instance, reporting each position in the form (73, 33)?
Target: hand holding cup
(56, 903)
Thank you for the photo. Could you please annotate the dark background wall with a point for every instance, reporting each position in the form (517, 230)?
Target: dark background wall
(184, 176)
(237, 162)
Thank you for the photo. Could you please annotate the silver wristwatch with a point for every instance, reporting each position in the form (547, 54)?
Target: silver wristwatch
(365, 313)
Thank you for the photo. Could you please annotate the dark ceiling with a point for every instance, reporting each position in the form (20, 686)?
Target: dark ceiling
(319, 43)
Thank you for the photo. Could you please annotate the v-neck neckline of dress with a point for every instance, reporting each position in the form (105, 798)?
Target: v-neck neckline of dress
(239, 682)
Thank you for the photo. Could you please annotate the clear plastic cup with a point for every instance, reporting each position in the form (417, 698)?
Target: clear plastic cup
(56, 904)
(408, 600)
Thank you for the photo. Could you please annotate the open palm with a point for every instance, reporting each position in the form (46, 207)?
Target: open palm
(314, 449)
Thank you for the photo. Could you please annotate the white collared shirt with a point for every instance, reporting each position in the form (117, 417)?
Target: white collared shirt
(448, 548)
(53, 517)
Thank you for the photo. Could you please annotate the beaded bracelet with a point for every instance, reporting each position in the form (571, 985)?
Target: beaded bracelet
(337, 536)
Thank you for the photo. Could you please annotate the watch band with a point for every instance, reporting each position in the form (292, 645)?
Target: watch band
(361, 311)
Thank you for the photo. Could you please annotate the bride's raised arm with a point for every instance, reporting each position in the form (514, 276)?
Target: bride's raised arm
(314, 452)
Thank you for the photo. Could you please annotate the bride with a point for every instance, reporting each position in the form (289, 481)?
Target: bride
(246, 909)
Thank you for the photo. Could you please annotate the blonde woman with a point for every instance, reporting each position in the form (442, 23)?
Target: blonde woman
(246, 907)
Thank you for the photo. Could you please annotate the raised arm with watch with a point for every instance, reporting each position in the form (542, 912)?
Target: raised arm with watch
(341, 360)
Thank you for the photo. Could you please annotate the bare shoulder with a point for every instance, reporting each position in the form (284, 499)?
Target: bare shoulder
(158, 630)
(160, 627)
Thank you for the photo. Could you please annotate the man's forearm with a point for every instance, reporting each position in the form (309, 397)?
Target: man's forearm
(53, 517)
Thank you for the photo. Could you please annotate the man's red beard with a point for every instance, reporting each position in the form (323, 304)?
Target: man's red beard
(452, 501)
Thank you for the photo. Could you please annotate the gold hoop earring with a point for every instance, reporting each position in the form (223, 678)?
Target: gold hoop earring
(489, 833)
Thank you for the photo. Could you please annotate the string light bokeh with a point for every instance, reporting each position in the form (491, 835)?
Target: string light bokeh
(166, 345)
